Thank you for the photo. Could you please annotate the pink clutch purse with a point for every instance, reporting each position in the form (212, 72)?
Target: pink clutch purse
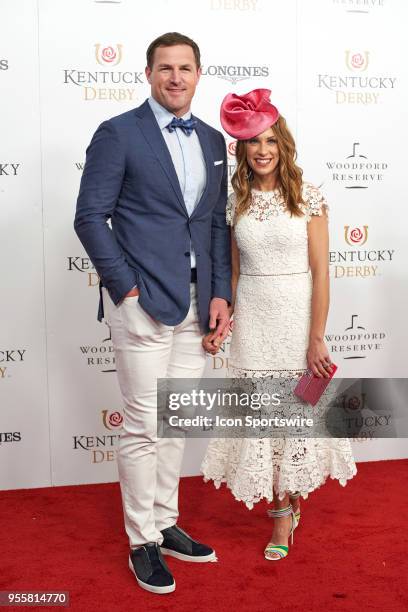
(310, 387)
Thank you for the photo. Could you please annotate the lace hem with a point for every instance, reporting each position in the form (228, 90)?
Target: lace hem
(250, 487)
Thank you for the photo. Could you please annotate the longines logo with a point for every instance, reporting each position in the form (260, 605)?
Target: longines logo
(4, 64)
(10, 357)
(357, 262)
(102, 448)
(85, 265)
(105, 84)
(9, 169)
(355, 342)
(359, 6)
(234, 74)
(234, 5)
(102, 355)
(357, 170)
(359, 87)
(10, 436)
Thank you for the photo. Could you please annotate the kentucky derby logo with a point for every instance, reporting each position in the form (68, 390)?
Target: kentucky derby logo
(356, 235)
(232, 148)
(112, 420)
(353, 403)
(358, 62)
(110, 56)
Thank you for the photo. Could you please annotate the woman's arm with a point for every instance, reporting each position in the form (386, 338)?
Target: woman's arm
(318, 236)
(235, 269)
(211, 342)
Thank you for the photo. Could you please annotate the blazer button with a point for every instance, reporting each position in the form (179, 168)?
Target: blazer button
(187, 253)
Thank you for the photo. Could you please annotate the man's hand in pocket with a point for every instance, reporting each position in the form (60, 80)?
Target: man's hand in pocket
(133, 292)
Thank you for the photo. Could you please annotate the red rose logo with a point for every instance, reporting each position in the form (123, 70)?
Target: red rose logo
(232, 148)
(111, 55)
(112, 420)
(356, 235)
(108, 54)
(115, 419)
(357, 60)
(354, 403)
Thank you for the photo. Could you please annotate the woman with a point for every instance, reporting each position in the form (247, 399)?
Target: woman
(279, 231)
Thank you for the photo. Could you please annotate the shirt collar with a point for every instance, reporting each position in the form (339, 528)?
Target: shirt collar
(163, 116)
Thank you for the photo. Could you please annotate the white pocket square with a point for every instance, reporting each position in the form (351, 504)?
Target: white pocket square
(217, 163)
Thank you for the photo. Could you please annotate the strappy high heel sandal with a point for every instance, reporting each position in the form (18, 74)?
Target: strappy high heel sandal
(280, 549)
(297, 513)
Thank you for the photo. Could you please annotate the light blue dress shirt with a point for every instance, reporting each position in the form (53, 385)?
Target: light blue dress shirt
(187, 157)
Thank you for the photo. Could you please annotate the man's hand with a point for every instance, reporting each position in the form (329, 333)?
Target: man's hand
(133, 292)
(208, 344)
(219, 324)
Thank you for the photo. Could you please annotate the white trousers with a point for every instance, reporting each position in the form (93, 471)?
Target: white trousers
(149, 467)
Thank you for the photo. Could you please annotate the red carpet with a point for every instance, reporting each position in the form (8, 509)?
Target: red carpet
(350, 551)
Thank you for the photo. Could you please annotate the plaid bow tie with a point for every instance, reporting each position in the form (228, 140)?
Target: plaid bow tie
(187, 125)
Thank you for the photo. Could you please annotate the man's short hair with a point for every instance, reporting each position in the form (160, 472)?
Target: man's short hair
(170, 40)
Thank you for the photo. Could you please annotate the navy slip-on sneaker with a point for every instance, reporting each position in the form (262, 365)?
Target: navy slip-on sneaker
(150, 569)
(177, 543)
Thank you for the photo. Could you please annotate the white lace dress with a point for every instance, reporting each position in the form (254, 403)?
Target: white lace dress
(270, 339)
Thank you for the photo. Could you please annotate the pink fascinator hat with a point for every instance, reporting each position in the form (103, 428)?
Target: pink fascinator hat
(246, 116)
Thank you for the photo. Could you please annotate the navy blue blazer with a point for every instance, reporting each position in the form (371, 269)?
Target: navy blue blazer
(129, 178)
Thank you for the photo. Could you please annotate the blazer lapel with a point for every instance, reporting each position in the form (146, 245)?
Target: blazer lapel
(206, 148)
(152, 133)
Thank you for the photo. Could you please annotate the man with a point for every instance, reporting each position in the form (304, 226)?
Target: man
(160, 175)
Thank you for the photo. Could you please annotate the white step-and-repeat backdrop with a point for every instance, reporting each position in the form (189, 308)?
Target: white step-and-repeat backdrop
(337, 70)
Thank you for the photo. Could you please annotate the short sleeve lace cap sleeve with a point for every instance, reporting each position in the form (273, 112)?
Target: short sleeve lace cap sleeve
(314, 202)
(230, 209)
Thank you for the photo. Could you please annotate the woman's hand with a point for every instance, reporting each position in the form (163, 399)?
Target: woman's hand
(211, 344)
(318, 360)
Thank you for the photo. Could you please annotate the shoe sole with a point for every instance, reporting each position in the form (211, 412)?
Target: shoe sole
(199, 559)
(151, 588)
(275, 558)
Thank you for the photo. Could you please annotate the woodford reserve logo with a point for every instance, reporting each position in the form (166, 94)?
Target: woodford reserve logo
(107, 84)
(102, 448)
(355, 341)
(362, 87)
(356, 170)
(357, 262)
(100, 356)
(359, 6)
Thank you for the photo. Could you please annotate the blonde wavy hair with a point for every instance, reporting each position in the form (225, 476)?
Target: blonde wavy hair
(289, 174)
